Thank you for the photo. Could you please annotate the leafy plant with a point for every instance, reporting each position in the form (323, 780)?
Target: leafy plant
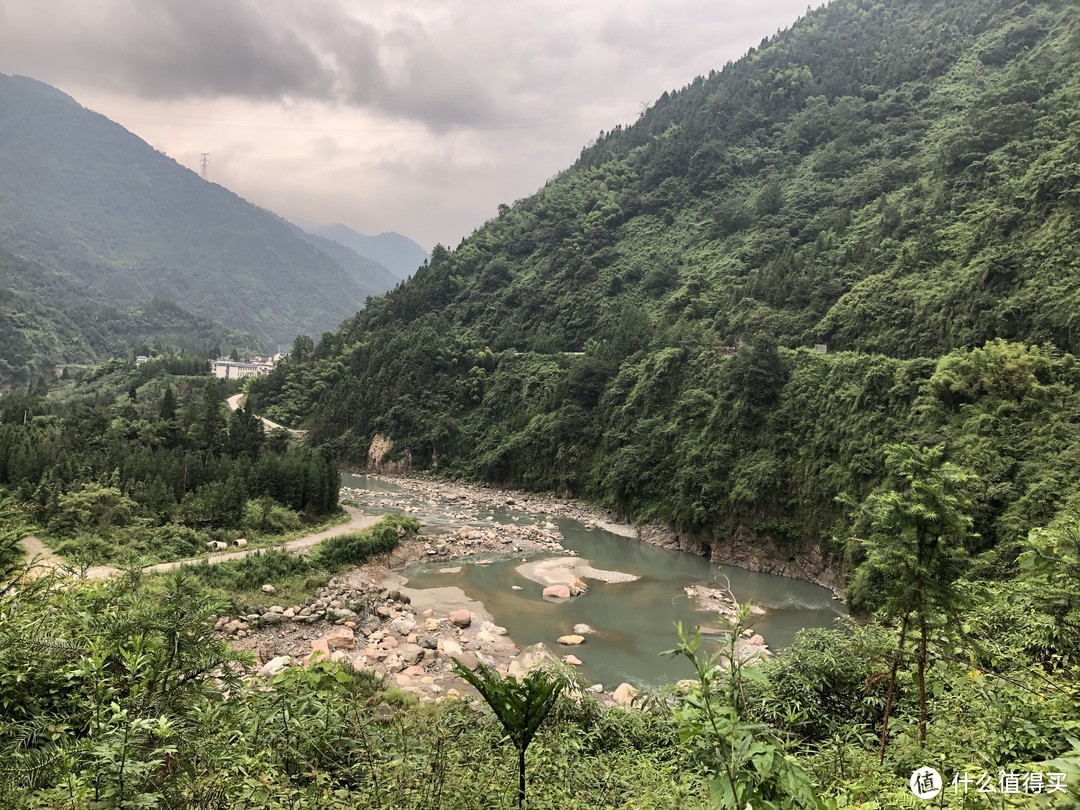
(521, 705)
(749, 767)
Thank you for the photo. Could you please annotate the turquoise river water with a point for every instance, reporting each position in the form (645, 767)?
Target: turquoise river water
(633, 622)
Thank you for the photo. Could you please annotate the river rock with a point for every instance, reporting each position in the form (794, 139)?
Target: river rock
(557, 592)
(340, 638)
(275, 665)
(537, 655)
(402, 625)
(431, 625)
(462, 618)
(339, 614)
(468, 660)
(268, 588)
(582, 629)
(272, 618)
(447, 646)
(571, 640)
(572, 660)
(624, 694)
(757, 640)
(411, 653)
(494, 629)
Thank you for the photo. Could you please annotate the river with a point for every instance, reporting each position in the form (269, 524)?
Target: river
(633, 621)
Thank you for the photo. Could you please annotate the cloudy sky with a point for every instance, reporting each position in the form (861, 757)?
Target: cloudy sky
(419, 117)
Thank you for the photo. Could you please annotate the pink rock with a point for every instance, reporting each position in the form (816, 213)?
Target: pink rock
(462, 618)
(557, 592)
(411, 638)
(573, 660)
(319, 645)
(403, 680)
(340, 638)
(414, 671)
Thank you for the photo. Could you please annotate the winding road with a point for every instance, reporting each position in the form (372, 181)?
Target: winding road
(234, 404)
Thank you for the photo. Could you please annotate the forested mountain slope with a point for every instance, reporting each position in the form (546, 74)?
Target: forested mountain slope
(398, 254)
(48, 319)
(84, 197)
(364, 271)
(897, 180)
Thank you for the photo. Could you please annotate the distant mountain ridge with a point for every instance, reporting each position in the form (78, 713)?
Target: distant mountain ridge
(398, 254)
(84, 197)
(360, 268)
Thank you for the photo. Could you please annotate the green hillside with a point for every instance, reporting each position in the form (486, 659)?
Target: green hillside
(49, 320)
(84, 197)
(895, 180)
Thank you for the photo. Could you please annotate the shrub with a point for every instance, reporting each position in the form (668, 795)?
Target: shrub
(357, 548)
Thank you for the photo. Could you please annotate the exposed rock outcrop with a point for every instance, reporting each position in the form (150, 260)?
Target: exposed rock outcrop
(752, 552)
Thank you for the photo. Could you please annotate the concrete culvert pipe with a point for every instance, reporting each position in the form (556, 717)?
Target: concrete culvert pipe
(240, 543)
(216, 545)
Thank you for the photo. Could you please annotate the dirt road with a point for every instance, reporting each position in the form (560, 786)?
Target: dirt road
(234, 404)
(36, 550)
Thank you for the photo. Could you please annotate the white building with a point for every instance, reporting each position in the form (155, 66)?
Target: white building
(228, 369)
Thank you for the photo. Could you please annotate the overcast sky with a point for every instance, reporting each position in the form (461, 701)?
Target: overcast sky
(385, 115)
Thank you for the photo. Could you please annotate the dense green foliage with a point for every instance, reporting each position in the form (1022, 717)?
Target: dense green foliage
(156, 471)
(49, 321)
(894, 179)
(92, 202)
(346, 550)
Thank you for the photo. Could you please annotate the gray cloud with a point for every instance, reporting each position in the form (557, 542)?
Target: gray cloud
(413, 115)
(262, 50)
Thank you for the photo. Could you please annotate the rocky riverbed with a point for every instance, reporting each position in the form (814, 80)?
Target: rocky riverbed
(371, 620)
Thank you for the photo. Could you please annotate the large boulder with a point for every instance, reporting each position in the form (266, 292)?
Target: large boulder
(340, 638)
(447, 646)
(557, 592)
(571, 640)
(624, 694)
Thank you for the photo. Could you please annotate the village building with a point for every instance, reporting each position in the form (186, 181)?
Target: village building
(228, 369)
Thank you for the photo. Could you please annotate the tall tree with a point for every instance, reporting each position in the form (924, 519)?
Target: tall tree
(915, 553)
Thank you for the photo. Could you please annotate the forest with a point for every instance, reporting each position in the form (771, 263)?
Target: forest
(147, 462)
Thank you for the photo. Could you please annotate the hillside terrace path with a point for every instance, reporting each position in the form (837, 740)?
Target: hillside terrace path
(234, 404)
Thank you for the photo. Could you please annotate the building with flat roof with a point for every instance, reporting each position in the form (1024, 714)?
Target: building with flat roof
(227, 369)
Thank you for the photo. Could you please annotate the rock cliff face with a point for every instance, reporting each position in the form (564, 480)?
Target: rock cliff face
(754, 553)
(376, 457)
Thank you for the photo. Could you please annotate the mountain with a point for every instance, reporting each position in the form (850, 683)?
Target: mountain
(364, 271)
(48, 319)
(398, 254)
(863, 232)
(84, 197)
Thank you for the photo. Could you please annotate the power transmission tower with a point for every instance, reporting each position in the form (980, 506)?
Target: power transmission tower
(205, 161)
